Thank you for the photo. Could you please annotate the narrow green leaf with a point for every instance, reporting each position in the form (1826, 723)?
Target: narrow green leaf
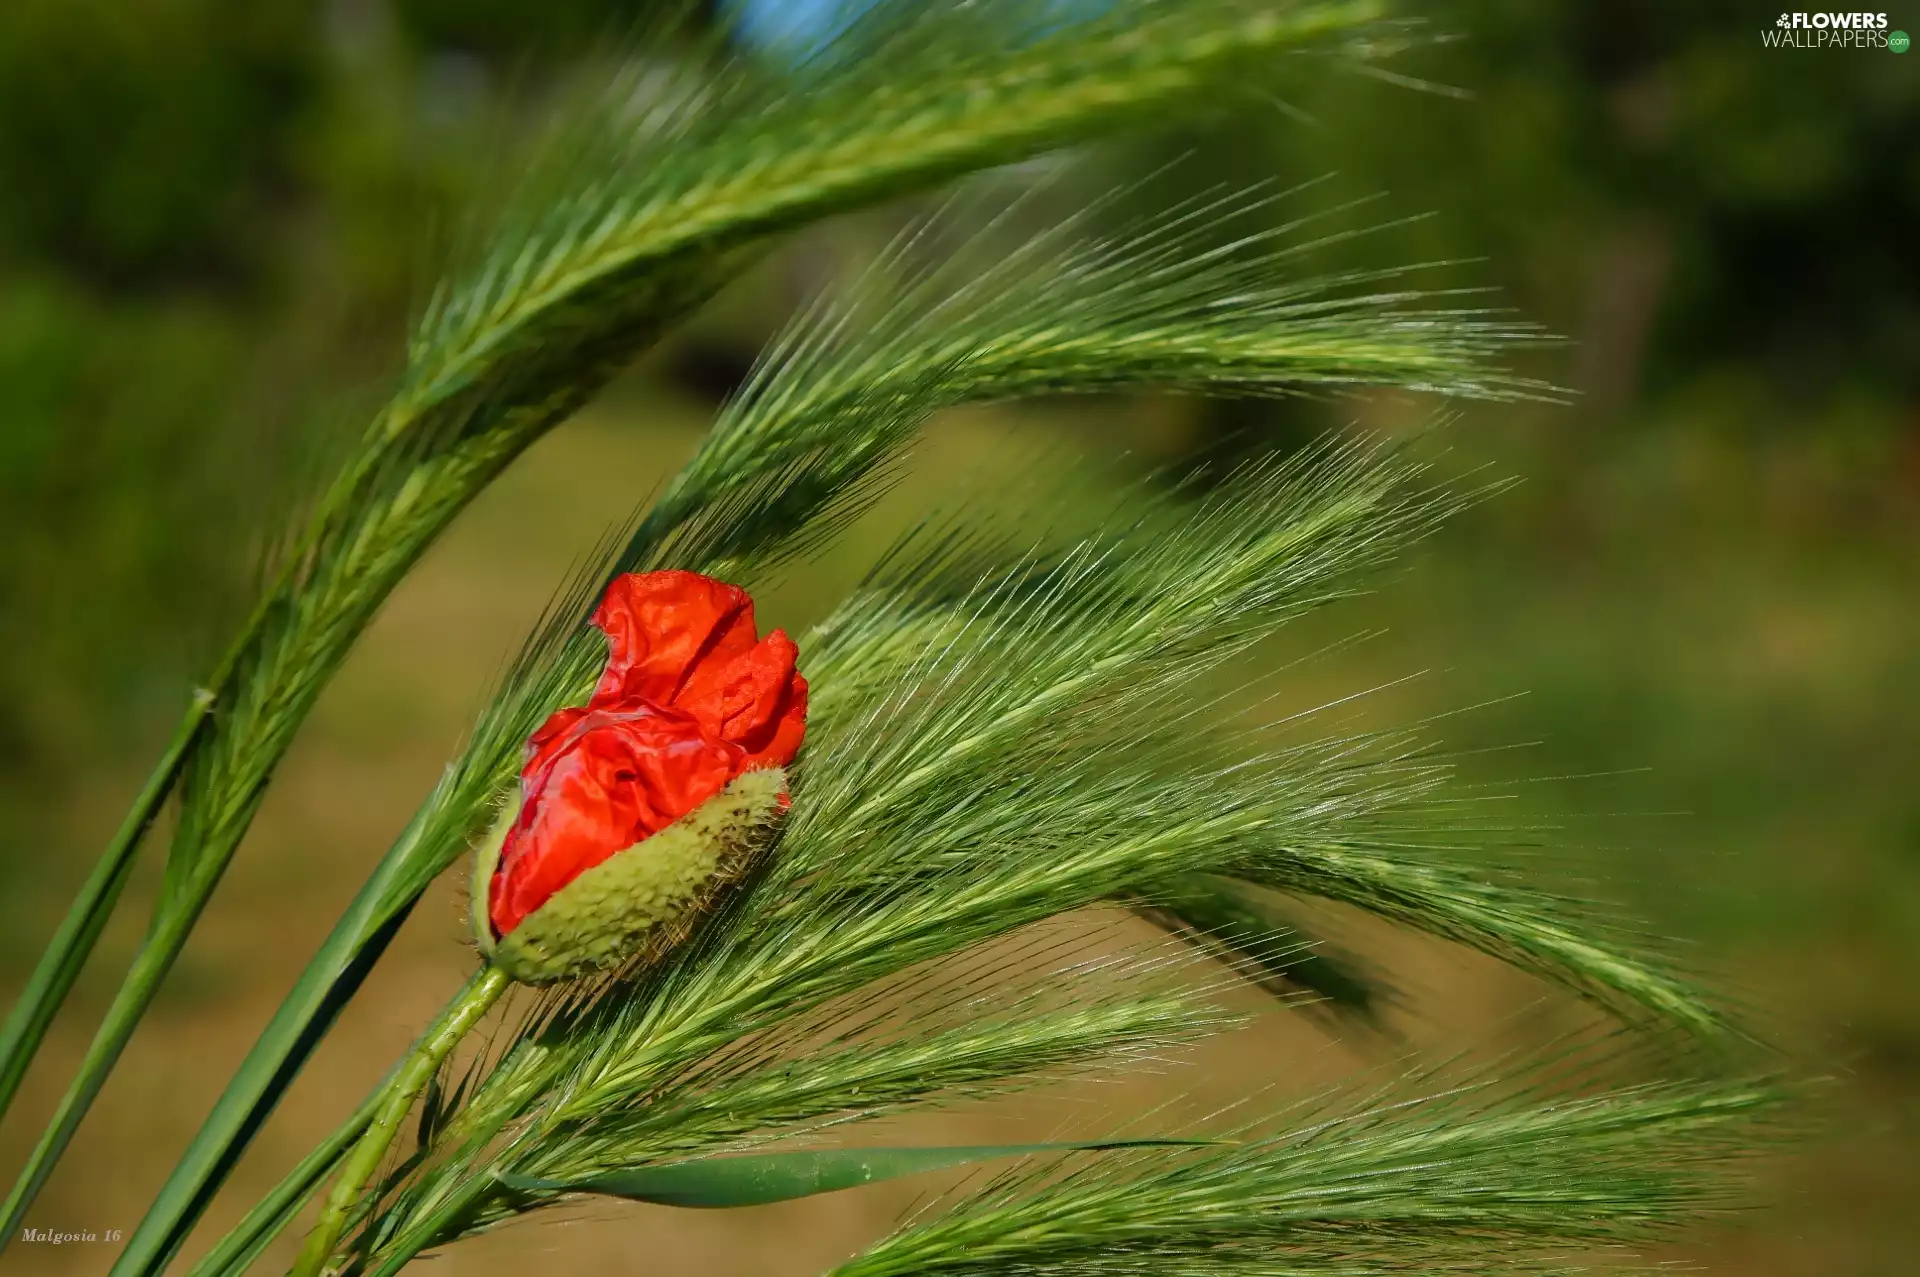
(68, 950)
(721, 1182)
(1236, 921)
(242, 1244)
(357, 941)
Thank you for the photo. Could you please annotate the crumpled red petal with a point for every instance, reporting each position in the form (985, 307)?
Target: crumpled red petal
(602, 781)
(663, 628)
(689, 700)
(755, 700)
(686, 640)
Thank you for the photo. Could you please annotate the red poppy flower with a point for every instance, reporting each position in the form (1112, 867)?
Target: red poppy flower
(690, 699)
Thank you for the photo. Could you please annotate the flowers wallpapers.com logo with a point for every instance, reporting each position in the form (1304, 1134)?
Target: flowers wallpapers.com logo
(1833, 31)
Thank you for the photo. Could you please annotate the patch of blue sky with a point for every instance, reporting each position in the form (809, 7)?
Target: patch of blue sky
(796, 28)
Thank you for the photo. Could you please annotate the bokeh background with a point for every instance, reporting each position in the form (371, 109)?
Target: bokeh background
(1694, 618)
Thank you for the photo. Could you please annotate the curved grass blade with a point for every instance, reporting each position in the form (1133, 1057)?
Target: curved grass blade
(66, 953)
(723, 1182)
(237, 1251)
(357, 941)
(1228, 917)
(1437, 887)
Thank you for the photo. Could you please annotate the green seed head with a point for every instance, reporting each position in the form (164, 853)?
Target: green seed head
(640, 903)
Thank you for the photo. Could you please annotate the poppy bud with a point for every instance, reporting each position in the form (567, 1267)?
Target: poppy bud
(638, 808)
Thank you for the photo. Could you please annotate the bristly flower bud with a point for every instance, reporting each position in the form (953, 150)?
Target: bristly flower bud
(636, 810)
(642, 901)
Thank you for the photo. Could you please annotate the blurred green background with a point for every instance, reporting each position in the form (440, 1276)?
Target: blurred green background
(215, 220)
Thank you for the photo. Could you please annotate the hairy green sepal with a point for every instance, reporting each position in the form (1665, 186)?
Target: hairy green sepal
(638, 901)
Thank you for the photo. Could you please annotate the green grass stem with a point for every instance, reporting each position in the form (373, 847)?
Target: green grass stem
(467, 1009)
(236, 1252)
(67, 952)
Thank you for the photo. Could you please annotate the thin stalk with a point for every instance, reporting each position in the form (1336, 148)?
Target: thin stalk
(149, 968)
(272, 1213)
(87, 917)
(424, 1234)
(468, 1007)
(73, 943)
(80, 930)
(349, 952)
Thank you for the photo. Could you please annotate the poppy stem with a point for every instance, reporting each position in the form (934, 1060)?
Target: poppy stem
(467, 1009)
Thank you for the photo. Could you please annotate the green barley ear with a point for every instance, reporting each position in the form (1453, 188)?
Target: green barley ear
(1475, 1177)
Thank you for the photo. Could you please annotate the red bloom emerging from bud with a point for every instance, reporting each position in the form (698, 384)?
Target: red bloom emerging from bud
(690, 699)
